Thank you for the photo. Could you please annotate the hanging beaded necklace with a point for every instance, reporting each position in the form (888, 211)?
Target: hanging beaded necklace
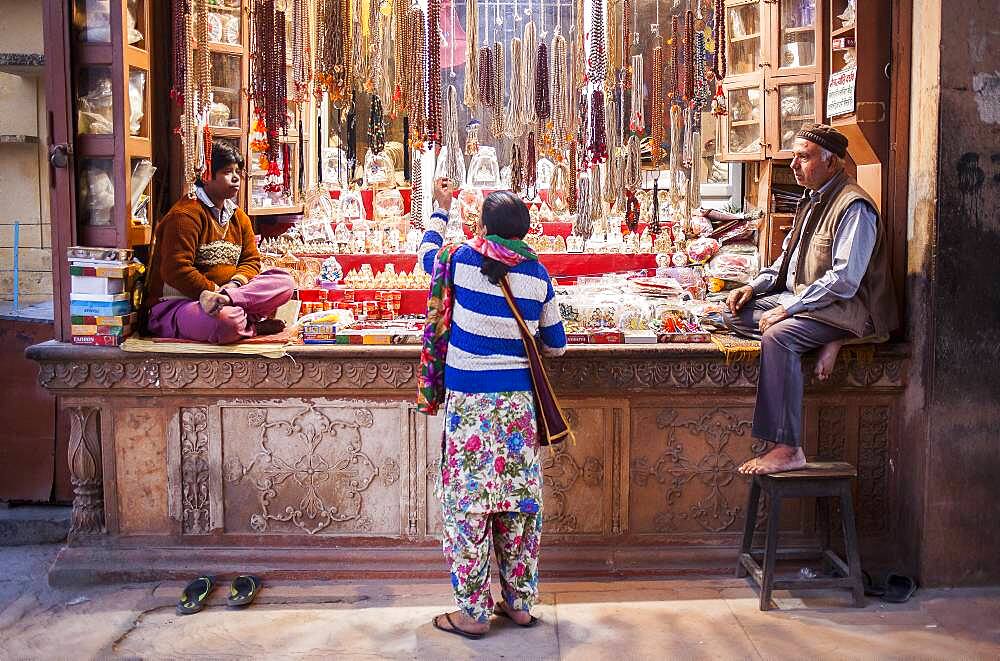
(531, 165)
(417, 193)
(573, 168)
(471, 86)
(416, 76)
(268, 83)
(497, 128)
(543, 104)
(434, 72)
(529, 46)
(301, 54)
(721, 63)
(515, 120)
(656, 107)
(560, 94)
(455, 164)
(702, 89)
(673, 78)
(637, 119)
(376, 126)
(598, 61)
(516, 169)
(689, 55)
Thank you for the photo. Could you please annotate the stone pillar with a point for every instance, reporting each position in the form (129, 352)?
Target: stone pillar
(86, 472)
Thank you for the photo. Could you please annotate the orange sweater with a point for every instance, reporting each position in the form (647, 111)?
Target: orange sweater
(194, 253)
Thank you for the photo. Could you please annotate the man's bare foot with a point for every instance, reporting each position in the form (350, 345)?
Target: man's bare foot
(458, 621)
(520, 617)
(826, 359)
(778, 459)
(212, 302)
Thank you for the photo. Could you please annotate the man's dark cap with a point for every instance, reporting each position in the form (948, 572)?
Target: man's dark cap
(825, 136)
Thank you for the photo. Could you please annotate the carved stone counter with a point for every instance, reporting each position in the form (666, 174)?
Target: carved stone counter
(318, 465)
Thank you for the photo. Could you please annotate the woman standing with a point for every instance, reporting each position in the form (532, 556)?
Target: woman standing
(491, 480)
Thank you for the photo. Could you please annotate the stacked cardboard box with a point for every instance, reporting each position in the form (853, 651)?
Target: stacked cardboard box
(102, 280)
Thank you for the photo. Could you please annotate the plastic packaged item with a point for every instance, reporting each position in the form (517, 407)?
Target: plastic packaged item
(470, 205)
(136, 100)
(701, 250)
(450, 168)
(733, 266)
(353, 205)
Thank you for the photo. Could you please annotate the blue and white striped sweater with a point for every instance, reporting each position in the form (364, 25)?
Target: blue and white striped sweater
(485, 350)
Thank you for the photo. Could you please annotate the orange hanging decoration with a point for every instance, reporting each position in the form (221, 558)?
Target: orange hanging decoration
(207, 139)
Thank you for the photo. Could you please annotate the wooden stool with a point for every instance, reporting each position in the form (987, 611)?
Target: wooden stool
(819, 480)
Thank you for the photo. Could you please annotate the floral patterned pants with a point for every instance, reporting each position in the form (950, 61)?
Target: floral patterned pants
(514, 537)
(491, 496)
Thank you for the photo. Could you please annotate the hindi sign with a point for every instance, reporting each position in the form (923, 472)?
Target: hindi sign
(840, 94)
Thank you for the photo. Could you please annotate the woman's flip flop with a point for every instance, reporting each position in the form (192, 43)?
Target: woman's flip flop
(455, 629)
(243, 590)
(498, 610)
(193, 598)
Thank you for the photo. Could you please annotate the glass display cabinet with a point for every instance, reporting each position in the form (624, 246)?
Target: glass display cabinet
(774, 83)
(112, 141)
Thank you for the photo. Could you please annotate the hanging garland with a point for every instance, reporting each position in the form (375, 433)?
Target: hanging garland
(497, 128)
(376, 126)
(597, 143)
(416, 77)
(720, 66)
(560, 94)
(268, 83)
(689, 72)
(637, 119)
(673, 79)
(301, 53)
(543, 104)
(598, 70)
(529, 46)
(434, 72)
(455, 164)
(471, 88)
(515, 121)
(656, 108)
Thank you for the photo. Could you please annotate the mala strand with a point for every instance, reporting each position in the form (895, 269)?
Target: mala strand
(376, 126)
(702, 90)
(673, 79)
(352, 137)
(529, 47)
(180, 49)
(515, 120)
(202, 58)
(471, 89)
(455, 163)
(597, 147)
(719, 67)
(689, 55)
(497, 118)
(543, 105)
(434, 72)
(417, 78)
(627, 18)
(560, 94)
(637, 120)
(417, 192)
(486, 77)
(654, 222)
(598, 55)
(516, 169)
(573, 167)
(583, 224)
(632, 180)
(676, 140)
(301, 56)
(656, 108)
(400, 43)
(531, 164)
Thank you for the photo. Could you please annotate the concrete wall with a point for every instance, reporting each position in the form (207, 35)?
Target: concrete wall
(24, 194)
(949, 466)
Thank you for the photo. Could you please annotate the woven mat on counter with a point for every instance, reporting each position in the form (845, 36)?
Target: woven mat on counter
(736, 348)
(270, 346)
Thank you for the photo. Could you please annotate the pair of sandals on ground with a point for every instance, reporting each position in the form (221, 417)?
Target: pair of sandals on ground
(446, 623)
(242, 591)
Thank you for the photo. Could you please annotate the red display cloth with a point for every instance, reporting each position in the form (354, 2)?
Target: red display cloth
(565, 229)
(558, 265)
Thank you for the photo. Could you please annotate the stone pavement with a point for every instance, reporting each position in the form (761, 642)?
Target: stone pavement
(677, 619)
